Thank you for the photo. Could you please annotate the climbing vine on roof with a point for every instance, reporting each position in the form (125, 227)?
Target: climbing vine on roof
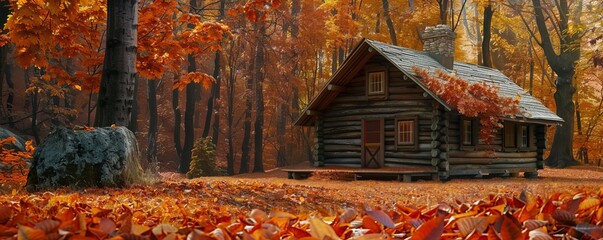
(472, 100)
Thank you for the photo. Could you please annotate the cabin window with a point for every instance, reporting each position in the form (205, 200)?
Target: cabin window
(376, 83)
(467, 132)
(525, 136)
(510, 137)
(407, 132)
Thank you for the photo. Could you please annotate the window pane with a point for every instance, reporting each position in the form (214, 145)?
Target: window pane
(525, 136)
(467, 132)
(406, 132)
(376, 82)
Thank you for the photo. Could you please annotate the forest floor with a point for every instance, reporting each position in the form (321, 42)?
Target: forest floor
(181, 202)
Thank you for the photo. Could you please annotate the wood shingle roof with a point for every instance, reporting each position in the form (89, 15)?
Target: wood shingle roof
(404, 59)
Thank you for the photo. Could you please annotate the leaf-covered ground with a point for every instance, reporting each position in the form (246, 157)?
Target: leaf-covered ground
(559, 204)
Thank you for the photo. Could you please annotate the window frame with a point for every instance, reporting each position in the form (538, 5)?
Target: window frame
(415, 132)
(525, 140)
(531, 139)
(475, 128)
(377, 95)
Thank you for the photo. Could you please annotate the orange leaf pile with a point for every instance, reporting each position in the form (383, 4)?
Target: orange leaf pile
(14, 165)
(221, 210)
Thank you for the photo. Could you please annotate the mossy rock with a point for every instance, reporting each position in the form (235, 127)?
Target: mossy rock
(103, 157)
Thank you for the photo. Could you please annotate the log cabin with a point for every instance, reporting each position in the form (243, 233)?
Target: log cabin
(374, 112)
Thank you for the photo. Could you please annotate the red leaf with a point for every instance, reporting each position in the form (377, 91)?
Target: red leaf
(510, 229)
(382, 217)
(592, 231)
(432, 229)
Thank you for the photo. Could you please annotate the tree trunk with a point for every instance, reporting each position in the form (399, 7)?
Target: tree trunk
(258, 165)
(134, 116)
(11, 93)
(152, 137)
(189, 120)
(443, 4)
(177, 121)
(486, 53)
(212, 96)
(217, 75)
(564, 65)
(561, 152)
(119, 67)
(390, 24)
(189, 110)
(245, 147)
(230, 89)
(531, 56)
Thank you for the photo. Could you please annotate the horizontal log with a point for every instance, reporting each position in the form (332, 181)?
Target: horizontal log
(374, 111)
(457, 161)
(404, 165)
(405, 91)
(335, 148)
(484, 154)
(379, 104)
(342, 161)
(343, 141)
(342, 124)
(342, 154)
(408, 161)
(336, 130)
(347, 135)
(359, 117)
(407, 97)
(354, 165)
(414, 155)
(492, 166)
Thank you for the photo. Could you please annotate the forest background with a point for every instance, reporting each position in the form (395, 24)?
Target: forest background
(240, 71)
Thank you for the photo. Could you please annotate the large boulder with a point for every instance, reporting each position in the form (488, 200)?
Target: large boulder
(102, 157)
(19, 145)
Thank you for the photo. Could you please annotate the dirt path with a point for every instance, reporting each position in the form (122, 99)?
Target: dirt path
(387, 192)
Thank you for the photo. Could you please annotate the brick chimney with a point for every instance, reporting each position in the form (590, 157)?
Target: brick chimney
(438, 42)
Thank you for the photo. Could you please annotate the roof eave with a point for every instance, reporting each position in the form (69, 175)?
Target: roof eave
(306, 120)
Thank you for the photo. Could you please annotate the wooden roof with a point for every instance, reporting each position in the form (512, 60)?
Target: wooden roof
(404, 59)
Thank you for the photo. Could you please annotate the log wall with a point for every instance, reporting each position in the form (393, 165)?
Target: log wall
(342, 120)
(494, 158)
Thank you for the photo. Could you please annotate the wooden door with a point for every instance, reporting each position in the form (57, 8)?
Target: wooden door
(372, 143)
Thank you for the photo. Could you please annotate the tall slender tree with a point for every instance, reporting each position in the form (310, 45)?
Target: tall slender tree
(389, 22)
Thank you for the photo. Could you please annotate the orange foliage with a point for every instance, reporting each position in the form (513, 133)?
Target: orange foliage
(220, 210)
(194, 77)
(14, 166)
(257, 10)
(58, 35)
(472, 100)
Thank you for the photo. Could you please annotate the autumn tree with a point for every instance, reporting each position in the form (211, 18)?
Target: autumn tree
(562, 61)
(119, 67)
(60, 59)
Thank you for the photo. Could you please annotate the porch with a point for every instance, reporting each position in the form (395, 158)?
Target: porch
(406, 174)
